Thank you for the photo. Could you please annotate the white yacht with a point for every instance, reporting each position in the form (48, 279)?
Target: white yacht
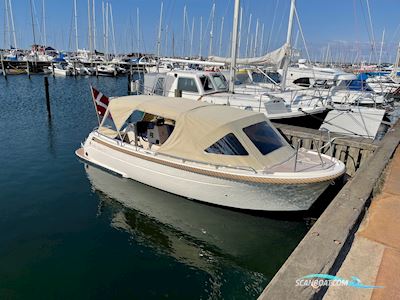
(211, 153)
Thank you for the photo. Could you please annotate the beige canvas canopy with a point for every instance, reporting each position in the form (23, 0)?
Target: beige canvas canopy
(198, 125)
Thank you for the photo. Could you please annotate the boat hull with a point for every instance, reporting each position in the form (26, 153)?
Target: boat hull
(313, 121)
(210, 189)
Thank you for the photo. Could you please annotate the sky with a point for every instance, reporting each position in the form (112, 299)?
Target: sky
(338, 29)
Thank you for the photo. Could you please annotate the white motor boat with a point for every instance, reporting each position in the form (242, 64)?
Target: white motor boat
(106, 70)
(211, 153)
(61, 69)
(383, 85)
(212, 87)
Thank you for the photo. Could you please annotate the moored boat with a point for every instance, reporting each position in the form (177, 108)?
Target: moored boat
(211, 153)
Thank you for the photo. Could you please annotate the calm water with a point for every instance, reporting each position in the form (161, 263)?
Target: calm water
(64, 233)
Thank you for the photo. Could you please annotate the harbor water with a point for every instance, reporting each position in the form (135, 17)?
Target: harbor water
(70, 230)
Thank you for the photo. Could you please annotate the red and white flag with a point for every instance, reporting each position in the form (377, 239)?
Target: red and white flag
(100, 103)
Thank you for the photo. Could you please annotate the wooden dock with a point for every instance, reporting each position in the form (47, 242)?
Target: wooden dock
(352, 151)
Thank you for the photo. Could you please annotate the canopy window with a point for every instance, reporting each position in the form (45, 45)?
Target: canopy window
(228, 145)
(263, 137)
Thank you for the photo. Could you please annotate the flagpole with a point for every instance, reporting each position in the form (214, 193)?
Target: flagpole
(94, 104)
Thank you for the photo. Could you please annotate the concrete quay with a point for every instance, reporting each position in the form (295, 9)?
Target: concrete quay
(357, 235)
(375, 254)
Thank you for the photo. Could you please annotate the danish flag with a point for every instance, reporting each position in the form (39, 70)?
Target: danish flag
(100, 103)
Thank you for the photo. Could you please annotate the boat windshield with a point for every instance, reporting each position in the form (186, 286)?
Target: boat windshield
(242, 78)
(220, 82)
(206, 84)
(264, 137)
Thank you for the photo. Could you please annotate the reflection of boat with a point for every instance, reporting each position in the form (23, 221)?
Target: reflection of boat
(198, 235)
(211, 153)
(15, 71)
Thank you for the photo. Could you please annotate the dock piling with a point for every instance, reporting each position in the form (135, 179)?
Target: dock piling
(129, 82)
(47, 94)
(28, 70)
(3, 68)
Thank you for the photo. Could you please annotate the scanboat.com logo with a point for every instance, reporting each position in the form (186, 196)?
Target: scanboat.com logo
(319, 280)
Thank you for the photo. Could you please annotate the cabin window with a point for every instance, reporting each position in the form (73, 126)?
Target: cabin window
(206, 83)
(228, 145)
(187, 85)
(159, 88)
(264, 137)
(220, 82)
(305, 81)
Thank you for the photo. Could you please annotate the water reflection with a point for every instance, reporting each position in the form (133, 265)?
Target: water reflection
(201, 236)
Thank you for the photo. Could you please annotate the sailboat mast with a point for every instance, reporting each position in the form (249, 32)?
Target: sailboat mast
(107, 31)
(220, 36)
(191, 38)
(89, 27)
(240, 29)
(12, 23)
(288, 41)
(159, 31)
(104, 26)
(44, 23)
(201, 36)
(396, 63)
(76, 26)
(94, 24)
(7, 33)
(166, 40)
(212, 30)
(112, 30)
(256, 39)
(234, 46)
(380, 53)
(248, 36)
(184, 31)
(33, 23)
(173, 44)
(262, 41)
(137, 30)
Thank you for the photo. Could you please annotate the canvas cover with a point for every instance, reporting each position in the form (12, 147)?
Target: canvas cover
(274, 58)
(198, 125)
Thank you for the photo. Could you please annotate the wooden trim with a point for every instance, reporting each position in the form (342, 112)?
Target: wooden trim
(236, 177)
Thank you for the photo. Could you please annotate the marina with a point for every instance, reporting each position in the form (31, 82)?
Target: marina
(237, 165)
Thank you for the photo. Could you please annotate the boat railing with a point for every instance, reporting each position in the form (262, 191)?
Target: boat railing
(216, 166)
